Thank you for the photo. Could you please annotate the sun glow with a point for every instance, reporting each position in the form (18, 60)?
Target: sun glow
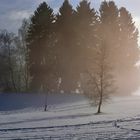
(137, 92)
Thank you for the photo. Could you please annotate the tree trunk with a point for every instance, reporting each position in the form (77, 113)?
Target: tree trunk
(99, 107)
(100, 103)
(46, 103)
(12, 78)
(11, 69)
(45, 108)
(101, 90)
(26, 78)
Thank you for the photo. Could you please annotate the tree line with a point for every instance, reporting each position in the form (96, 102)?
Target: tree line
(74, 50)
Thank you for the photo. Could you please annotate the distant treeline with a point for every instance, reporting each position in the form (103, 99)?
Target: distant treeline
(73, 50)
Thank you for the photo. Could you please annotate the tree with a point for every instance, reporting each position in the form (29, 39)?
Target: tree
(98, 83)
(109, 29)
(66, 46)
(39, 43)
(86, 35)
(128, 39)
(23, 55)
(75, 33)
(87, 21)
(128, 52)
(8, 51)
(118, 31)
(5, 82)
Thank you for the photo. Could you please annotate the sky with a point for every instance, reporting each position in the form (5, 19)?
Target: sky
(12, 12)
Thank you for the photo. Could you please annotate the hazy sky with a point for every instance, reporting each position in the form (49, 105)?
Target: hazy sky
(13, 11)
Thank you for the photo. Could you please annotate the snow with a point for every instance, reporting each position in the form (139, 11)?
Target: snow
(73, 120)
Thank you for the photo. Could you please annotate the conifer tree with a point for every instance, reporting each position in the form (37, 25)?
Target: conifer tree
(86, 31)
(97, 79)
(118, 32)
(128, 53)
(109, 28)
(128, 39)
(66, 45)
(38, 41)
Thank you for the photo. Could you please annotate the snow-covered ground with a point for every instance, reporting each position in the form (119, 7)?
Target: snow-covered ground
(74, 120)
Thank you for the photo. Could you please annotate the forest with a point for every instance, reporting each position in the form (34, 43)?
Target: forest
(76, 50)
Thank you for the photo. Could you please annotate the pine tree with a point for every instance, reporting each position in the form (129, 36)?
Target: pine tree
(109, 28)
(86, 34)
(128, 39)
(66, 46)
(86, 17)
(128, 53)
(119, 33)
(38, 41)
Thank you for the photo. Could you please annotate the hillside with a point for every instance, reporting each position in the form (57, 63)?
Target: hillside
(73, 120)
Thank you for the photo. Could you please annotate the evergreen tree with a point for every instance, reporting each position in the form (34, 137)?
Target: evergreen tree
(109, 28)
(128, 53)
(128, 40)
(38, 41)
(86, 34)
(86, 18)
(120, 35)
(97, 78)
(66, 46)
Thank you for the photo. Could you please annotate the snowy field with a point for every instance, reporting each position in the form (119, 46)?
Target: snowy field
(73, 120)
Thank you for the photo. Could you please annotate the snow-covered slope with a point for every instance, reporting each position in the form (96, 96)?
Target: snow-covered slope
(19, 101)
(74, 120)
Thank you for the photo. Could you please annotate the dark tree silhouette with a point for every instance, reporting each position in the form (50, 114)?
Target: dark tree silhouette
(128, 40)
(66, 46)
(38, 42)
(127, 53)
(86, 35)
(118, 31)
(109, 28)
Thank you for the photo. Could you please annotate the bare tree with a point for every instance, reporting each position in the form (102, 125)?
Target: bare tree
(7, 42)
(97, 82)
(23, 51)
